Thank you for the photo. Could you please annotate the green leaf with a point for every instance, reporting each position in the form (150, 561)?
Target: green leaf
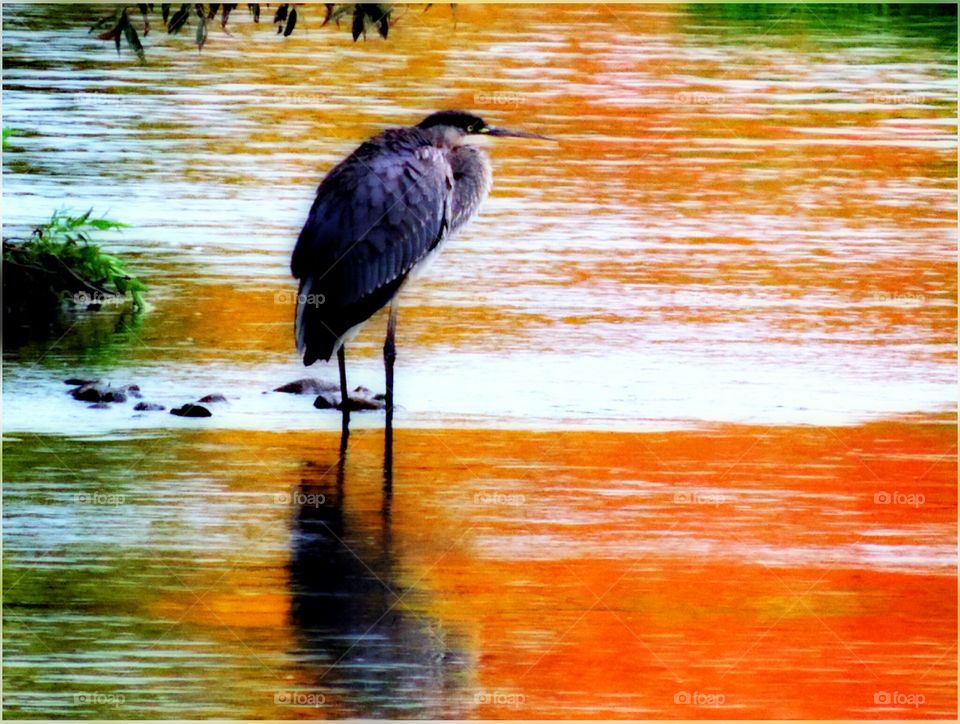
(357, 22)
(133, 40)
(179, 19)
(101, 22)
(9, 133)
(121, 24)
(201, 34)
(104, 224)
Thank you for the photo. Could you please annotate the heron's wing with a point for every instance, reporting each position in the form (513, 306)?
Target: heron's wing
(376, 215)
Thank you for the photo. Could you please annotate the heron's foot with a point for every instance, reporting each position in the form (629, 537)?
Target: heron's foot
(361, 399)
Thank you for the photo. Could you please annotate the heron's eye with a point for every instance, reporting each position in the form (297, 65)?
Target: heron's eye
(470, 129)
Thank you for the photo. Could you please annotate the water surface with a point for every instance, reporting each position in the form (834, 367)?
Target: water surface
(747, 219)
(677, 415)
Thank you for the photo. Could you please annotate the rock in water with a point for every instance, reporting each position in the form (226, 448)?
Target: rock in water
(362, 399)
(190, 410)
(215, 397)
(309, 386)
(359, 404)
(326, 402)
(148, 407)
(77, 381)
(98, 392)
(132, 390)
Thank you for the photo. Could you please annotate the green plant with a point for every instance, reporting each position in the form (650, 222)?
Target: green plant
(8, 133)
(59, 264)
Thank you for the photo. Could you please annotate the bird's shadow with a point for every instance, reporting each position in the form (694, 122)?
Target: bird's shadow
(364, 642)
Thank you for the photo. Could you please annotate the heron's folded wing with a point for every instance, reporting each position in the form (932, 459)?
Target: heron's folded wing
(376, 215)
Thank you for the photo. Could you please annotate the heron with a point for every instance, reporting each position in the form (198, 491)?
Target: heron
(379, 217)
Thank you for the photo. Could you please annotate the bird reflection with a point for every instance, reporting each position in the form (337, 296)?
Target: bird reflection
(366, 643)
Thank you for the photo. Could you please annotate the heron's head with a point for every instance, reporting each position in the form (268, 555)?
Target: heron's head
(460, 125)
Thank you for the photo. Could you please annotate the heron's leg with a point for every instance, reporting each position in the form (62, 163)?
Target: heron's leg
(390, 354)
(387, 482)
(344, 397)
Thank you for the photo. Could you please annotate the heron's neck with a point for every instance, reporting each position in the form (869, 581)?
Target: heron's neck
(444, 136)
(472, 180)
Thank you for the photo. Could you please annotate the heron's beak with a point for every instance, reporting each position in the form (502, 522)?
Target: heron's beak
(503, 132)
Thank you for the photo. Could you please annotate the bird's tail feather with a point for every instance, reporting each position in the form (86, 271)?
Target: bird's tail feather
(324, 322)
(315, 340)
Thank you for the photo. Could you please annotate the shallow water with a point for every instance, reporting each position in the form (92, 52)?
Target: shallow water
(746, 219)
(652, 398)
(490, 574)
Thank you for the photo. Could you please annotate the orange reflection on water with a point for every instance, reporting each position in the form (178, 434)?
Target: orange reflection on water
(725, 573)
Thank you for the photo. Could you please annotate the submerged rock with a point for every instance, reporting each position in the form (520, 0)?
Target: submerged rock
(326, 402)
(364, 399)
(215, 397)
(98, 406)
(364, 403)
(132, 390)
(148, 407)
(98, 392)
(361, 399)
(309, 386)
(78, 381)
(191, 410)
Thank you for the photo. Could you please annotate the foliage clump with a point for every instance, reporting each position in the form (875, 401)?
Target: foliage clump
(59, 267)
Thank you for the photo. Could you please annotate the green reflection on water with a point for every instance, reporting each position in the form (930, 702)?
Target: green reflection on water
(932, 26)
